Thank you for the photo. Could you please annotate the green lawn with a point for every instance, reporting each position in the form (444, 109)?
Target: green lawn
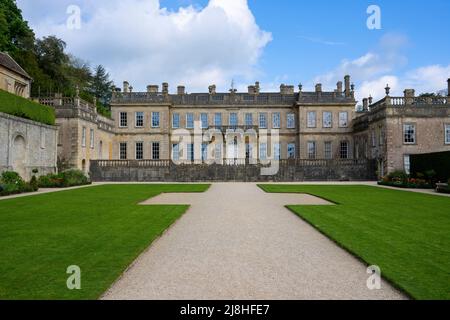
(407, 234)
(101, 229)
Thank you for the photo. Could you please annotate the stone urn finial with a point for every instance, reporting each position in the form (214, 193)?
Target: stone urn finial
(388, 89)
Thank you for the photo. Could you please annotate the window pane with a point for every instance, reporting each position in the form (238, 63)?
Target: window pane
(328, 150)
(248, 119)
(277, 151)
(83, 137)
(123, 151)
(92, 138)
(204, 120)
(263, 151)
(175, 152)
(123, 119)
(204, 151)
(276, 121)
(263, 121)
(155, 119)
(344, 150)
(139, 119)
(139, 150)
(311, 119)
(291, 151)
(409, 132)
(327, 119)
(190, 151)
(311, 150)
(291, 121)
(176, 120)
(218, 120)
(406, 163)
(343, 119)
(447, 133)
(233, 119)
(190, 121)
(155, 151)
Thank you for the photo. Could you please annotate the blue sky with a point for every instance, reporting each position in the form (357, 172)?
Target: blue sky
(273, 42)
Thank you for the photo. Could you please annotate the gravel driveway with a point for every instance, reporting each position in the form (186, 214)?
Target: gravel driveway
(238, 242)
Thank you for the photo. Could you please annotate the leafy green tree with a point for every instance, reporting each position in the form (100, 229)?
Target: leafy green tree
(100, 85)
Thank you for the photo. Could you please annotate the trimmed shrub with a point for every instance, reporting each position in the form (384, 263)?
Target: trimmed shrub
(24, 108)
(69, 178)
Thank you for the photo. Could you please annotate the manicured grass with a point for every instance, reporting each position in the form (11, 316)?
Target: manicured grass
(101, 229)
(24, 108)
(406, 234)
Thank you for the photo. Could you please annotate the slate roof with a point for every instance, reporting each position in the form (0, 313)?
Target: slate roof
(10, 64)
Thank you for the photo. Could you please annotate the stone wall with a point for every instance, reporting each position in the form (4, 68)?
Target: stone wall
(296, 170)
(26, 145)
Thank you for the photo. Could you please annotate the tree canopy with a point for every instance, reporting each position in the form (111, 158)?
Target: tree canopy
(53, 69)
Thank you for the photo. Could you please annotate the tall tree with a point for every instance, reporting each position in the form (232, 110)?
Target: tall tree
(101, 84)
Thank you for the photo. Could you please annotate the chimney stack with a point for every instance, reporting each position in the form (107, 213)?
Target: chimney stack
(318, 87)
(448, 87)
(251, 89)
(409, 96)
(339, 88)
(181, 90)
(257, 87)
(126, 87)
(284, 89)
(347, 86)
(165, 88)
(370, 100)
(365, 104)
(152, 88)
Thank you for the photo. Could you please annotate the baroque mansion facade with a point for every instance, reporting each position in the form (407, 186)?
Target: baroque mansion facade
(298, 128)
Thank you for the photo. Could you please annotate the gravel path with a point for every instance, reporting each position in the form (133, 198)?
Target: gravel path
(237, 242)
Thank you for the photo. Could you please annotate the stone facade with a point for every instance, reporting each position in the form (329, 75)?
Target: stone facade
(13, 78)
(83, 134)
(394, 128)
(26, 145)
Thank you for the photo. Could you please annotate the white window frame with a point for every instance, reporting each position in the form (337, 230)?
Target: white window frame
(83, 137)
(204, 152)
(139, 119)
(175, 124)
(188, 122)
(176, 152)
(249, 119)
(414, 133)
(346, 155)
(156, 150)
(156, 119)
(141, 150)
(123, 119)
(328, 150)
(277, 151)
(204, 120)
(263, 151)
(407, 163)
(311, 119)
(312, 150)
(327, 119)
(343, 119)
(233, 121)
(291, 151)
(263, 120)
(218, 119)
(447, 133)
(276, 120)
(290, 119)
(91, 138)
(123, 153)
(190, 152)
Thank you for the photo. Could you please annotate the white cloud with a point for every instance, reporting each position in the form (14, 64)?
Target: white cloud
(139, 41)
(384, 65)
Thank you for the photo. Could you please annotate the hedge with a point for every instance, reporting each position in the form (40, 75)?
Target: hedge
(439, 162)
(24, 108)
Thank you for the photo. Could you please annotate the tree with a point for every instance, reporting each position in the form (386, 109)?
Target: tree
(100, 85)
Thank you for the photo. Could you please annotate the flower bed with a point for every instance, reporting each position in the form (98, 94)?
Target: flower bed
(400, 179)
